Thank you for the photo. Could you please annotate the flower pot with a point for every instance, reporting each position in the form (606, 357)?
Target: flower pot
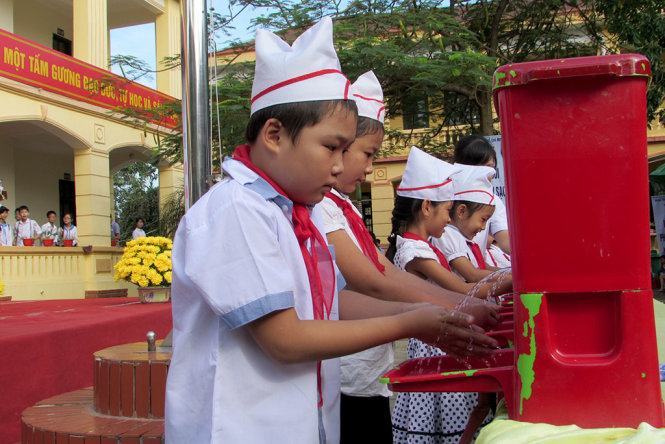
(28, 242)
(154, 294)
(47, 242)
(68, 242)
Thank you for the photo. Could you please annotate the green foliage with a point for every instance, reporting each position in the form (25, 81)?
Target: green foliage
(638, 26)
(136, 194)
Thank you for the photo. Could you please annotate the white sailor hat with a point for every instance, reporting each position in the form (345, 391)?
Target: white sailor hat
(474, 184)
(427, 177)
(367, 93)
(306, 71)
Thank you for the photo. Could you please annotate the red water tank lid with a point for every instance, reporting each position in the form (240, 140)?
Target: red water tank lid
(619, 65)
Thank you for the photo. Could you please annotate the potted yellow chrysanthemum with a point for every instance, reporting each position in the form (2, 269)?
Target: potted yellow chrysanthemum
(146, 262)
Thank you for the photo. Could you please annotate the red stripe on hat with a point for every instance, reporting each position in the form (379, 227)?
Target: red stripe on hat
(426, 186)
(346, 89)
(301, 78)
(477, 191)
(378, 115)
(368, 98)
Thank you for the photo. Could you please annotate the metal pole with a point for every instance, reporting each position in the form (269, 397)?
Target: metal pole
(195, 126)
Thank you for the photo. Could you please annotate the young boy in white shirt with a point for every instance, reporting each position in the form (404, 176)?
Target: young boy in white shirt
(50, 230)
(25, 227)
(255, 288)
(6, 236)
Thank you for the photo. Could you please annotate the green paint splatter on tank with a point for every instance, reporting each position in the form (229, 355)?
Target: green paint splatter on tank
(525, 361)
(384, 380)
(513, 73)
(460, 372)
(510, 344)
(525, 331)
(644, 375)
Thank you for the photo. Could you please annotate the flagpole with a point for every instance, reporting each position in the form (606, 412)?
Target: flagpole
(195, 125)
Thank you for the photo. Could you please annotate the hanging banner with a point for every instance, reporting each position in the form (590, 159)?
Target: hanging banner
(498, 182)
(36, 65)
(658, 205)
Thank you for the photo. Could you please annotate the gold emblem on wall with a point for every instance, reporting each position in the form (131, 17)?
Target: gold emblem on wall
(380, 174)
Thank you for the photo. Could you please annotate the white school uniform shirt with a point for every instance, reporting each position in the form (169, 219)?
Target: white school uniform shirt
(495, 257)
(27, 229)
(360, 371)
(51, 230)
(115, 229)
(138, 233)
(498, 222)
(407, 250)
(69, 233)
(454, 245)
(235, 260)
(6, 236)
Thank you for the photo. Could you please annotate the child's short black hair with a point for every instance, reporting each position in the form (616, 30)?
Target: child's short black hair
(49, 212)
(23, 207)
(474, 150)
(3, 209)
(139, 219)
(471, 206)
(367, 126)
(295, 116)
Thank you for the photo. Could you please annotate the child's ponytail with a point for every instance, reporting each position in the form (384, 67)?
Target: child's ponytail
(404, 213)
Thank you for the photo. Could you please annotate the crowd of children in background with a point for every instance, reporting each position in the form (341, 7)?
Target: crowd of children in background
(24, 231)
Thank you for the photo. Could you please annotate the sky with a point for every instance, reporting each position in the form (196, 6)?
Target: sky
(123, 40)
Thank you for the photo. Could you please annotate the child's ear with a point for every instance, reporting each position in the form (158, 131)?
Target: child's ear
(460, 211)
(271, 134)
(426, 208)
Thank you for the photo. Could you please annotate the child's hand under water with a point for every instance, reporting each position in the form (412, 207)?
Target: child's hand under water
(452, 331)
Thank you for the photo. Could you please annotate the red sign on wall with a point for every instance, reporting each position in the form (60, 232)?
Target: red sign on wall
(36, 65)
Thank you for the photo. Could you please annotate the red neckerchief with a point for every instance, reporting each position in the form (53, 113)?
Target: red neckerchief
(475, 249)
(359, 231)
(442, 259)
(323, 289)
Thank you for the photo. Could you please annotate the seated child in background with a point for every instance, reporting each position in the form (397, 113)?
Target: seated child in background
(25, 227)
(138, 228)
(255, 294)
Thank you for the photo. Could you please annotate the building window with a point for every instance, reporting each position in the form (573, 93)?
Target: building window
(415, 112)
(460, 110)
(62, 44)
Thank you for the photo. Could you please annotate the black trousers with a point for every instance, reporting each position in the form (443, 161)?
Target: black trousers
(365, 420)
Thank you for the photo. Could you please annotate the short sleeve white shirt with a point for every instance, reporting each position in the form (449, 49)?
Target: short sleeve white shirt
(70, 233)
(360, 371)
(26, 230)
(498, 222)
(138, 233)
(495, 257)
(50, 230)
(454, 245)
(6, 236)
(410, 249)
(235, 260)
(333, 216)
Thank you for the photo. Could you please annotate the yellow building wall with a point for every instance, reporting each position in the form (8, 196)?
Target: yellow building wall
(40, 273)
